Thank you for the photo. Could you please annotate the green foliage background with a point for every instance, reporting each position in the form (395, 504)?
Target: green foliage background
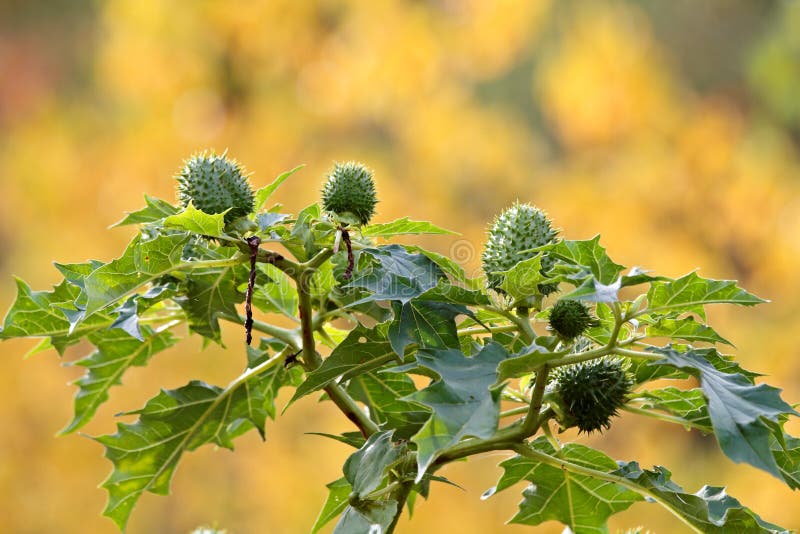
(672, 128)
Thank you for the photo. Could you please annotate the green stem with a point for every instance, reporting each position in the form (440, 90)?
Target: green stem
(637, 354)
(507, 314)
(548, 433)
(618, 322)
(289, 337)
(524, 323)
(401, 496)
(532, 420)
(524, 450)
(312, 360)
(474, 330)
(348, 406)
(236, 259)
(505, 438)
(318, 259)
(515, 411)
(664, 417)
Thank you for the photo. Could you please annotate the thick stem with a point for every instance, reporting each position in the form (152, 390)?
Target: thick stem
(310, 357)
(401, 496)
(347, 405)
(532, 420)
(312, 360)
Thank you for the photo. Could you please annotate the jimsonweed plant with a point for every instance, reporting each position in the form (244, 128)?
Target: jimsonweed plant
(553, 335)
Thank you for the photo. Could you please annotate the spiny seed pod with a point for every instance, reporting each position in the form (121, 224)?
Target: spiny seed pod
(515, 232)
(215, 183)
(349, 192)
(591, 393)
(570, 318)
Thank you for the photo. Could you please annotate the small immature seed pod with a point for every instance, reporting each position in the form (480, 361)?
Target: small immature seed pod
(349, 192)
(570, 318)
(591, 393)
(515, 232)
(215, 183)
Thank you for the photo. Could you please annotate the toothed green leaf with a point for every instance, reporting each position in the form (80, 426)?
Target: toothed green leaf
(738, 409)
(691, 292)
(404, 226)
(198, 222)
(462, 401)
(145, 454)
(579, 501)
(116, 352)
(155, 210)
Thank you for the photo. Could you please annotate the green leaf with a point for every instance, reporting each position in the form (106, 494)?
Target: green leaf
(353, 439)
(688, 406)
(116, 352)
(447, 292)
(263, 194)
(690, 293)
(146, 453)
(365, 469)
(129, 311)
(590, 257)
(462, 402)
(198, 222)
(155, 210)
(523, 280)
(581, 502)
(450, 267)
(710, 510)
(267, 220)
(144, 260)
(529, 361)
(210, 292)
(786, 450)
(398, 275)
(74, 273)
(363, 350)
(738, 409)
(404, 226)
(337, 501)
(370, 516)
(689, 409)
(40, 314)
(686, 328)
(429, 324)
(278, 295)
(301, 240)
(382, 393)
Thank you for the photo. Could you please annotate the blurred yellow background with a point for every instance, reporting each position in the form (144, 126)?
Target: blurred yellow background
(671, 128)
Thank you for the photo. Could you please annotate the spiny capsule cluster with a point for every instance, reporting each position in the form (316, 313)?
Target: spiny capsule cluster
(350, 191)
(215, 183)
(570, 318)
(592, 392)
(515, 232)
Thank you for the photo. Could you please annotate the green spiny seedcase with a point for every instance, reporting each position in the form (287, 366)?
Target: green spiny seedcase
(591, 393)
(515, 232)
(215, 183)
(570, 318)
(349, 192)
